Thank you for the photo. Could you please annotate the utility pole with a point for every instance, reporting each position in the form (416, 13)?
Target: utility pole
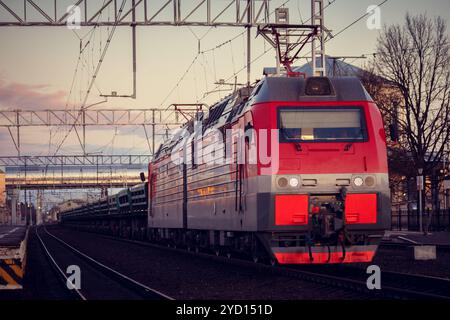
(153, 134)
(27, 215)
(39, 203)
(18, 133)
(15, 195)
(281, 17)
(318, 54)
(133, 30)
(343, 58)
(420, 185)
(114, 94)
(249, 20)
(83, 115)
(30, 212)
(444, 160)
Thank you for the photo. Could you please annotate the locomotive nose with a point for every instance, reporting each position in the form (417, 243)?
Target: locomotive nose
(327, 218)
(347, 199)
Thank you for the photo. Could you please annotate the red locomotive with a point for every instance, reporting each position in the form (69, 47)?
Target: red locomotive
(316, 190)
(293, 171)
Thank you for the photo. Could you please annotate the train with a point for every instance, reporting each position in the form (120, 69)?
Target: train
(292, 170)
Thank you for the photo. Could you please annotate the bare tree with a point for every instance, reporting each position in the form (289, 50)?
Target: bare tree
(387, 97)
(385, 93)
(415, 58)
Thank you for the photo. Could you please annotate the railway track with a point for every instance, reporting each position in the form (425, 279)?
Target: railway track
(407, 245)
(393, 285)
(98, 281)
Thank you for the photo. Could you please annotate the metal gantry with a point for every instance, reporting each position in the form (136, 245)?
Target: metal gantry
(289, 39)
(74, 160)
(15, 119)
(82, 13)
(94, 117)
(278, 36)
(70, 182)
(73, 171)
(234, 13)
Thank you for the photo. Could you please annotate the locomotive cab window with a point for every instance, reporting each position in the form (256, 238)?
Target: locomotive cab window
(321, 125)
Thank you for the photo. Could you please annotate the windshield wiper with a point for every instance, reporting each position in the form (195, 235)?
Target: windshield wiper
(298, 146)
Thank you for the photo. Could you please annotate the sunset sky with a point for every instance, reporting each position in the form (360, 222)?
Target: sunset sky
(38, 64)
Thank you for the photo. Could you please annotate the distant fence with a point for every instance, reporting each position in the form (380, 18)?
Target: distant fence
(409, 220)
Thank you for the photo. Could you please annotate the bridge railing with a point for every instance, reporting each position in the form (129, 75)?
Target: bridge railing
(70, 182)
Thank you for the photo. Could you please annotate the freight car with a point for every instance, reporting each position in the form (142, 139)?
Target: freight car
(123, 214)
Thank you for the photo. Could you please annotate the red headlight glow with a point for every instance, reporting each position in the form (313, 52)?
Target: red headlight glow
(291, 209)
(361, 208)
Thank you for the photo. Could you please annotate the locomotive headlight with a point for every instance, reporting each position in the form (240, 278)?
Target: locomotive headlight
(288, 182)
(358, 181)
(282, 182)
(369, 181)
(293, 182)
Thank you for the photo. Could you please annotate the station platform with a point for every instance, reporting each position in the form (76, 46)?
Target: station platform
(418, 238)
(13, 244)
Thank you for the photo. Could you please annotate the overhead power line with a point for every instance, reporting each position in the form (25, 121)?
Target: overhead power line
(94, 76)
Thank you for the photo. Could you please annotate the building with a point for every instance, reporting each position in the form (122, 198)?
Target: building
(3, 207)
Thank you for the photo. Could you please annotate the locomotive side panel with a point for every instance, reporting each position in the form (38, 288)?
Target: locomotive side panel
(211, 189)
(167, 204)
(219, 197)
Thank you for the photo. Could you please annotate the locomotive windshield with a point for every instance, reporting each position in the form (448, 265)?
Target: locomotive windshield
(321, 124)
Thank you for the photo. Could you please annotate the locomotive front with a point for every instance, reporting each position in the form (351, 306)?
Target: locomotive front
(324, 197)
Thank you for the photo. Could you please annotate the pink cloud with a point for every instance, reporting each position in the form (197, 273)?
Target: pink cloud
(15, 95)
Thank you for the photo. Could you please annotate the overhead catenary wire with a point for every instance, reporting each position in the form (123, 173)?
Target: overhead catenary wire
(84, 64)
(229, 41)
(236, 73)
(330, 2)
(405, 50)
(179, 80)
(357, 20)
(195, 83)
(299, 13)
(232, 57)
(90, 56)
(206, 51)
(345, 28)
(342, 30)
(148, 141)
(80, 57)
(191, 65)
(90, 33)
(176, 87)
(205, 74)
(94, 76)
